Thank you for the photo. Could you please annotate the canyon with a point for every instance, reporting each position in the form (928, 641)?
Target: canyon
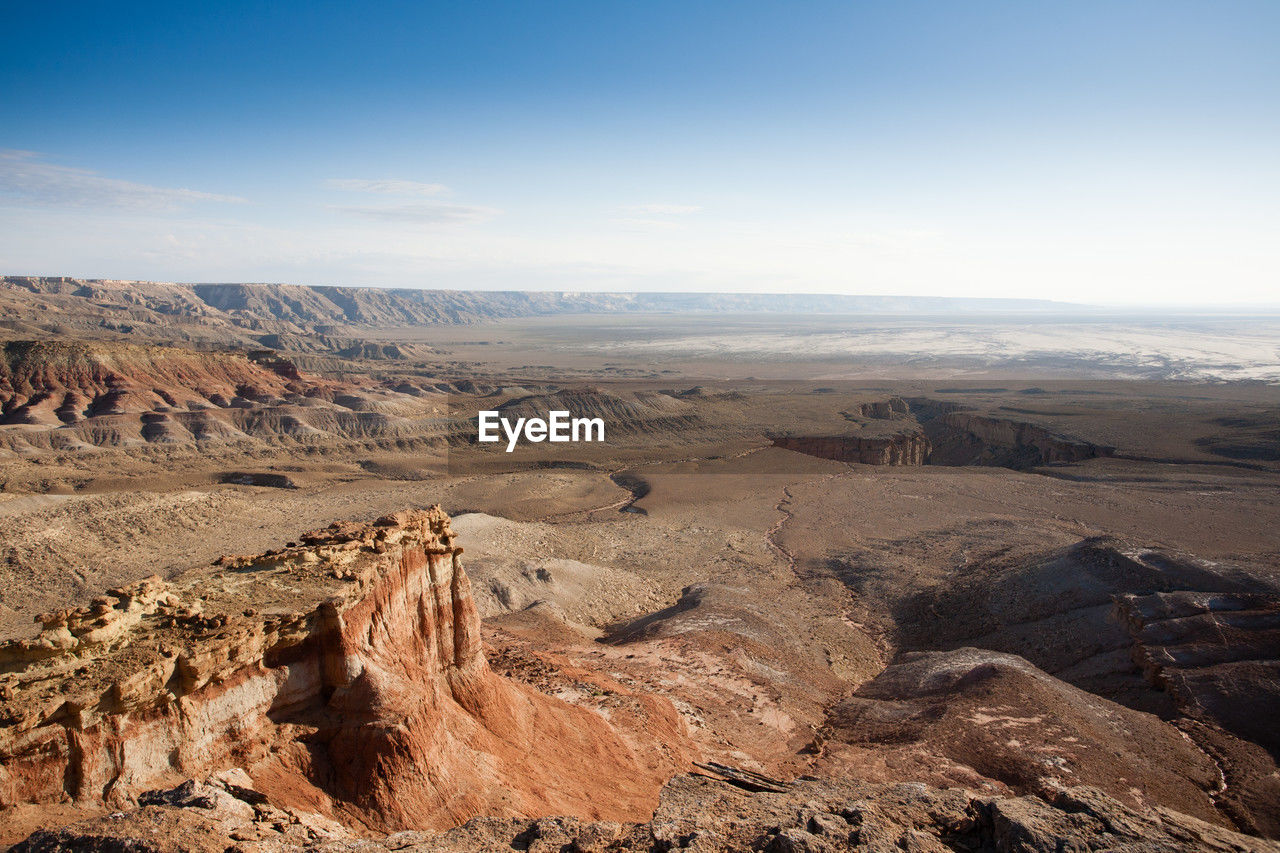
(901, 449)
(377, 711)
(790, 602)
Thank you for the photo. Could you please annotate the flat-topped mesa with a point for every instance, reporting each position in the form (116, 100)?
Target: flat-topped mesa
(964, 438)
(375, 704)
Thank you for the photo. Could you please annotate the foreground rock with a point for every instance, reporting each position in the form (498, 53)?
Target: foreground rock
(375, 707)
(697, 813)
(1193, 643)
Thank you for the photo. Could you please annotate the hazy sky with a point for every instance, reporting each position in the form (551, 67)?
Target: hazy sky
(1094, 151)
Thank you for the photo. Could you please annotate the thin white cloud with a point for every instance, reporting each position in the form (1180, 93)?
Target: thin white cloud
(408, 212)
(636, 222)
(27, 179)
(386, 186)
(423, 213)
(664, 209)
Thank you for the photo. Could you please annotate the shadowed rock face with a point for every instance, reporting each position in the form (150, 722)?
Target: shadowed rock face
(961, 438)
(906, 448)
(1186, 640)
(377, 704)
(934, 433)
(1218, 654)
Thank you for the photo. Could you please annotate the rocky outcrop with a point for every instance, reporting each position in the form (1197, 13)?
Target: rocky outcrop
(697, 812)
(881, 409)
(80, 630)
(376, 705)
(963, 438)
(1100, 615)
(905, 448)
(937, 433)
(936, 716)
(1217, 656)
(1217, 653)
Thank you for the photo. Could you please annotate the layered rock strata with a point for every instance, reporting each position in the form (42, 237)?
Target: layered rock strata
(376, 705)
(905, 448)
(81, 396)
(882, 409)
(1217, 653)
(963, 438)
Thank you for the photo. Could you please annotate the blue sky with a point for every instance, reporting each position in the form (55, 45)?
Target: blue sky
(1113, 152)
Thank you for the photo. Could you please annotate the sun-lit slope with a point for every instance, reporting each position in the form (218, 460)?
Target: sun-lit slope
(69, 396)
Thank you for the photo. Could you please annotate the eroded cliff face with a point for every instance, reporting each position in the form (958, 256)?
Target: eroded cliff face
(376, 705)
(906, 448)
(930, 432)
(1216, 653)
(900, 442)
(962, 438)
(883, 409)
